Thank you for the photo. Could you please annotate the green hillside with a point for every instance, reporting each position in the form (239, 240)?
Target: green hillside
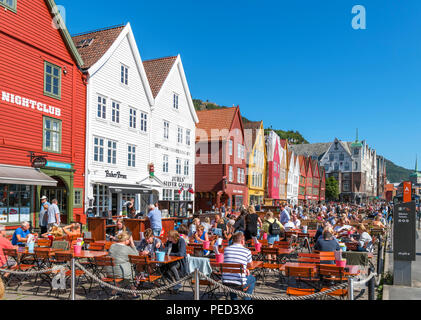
(396, 173)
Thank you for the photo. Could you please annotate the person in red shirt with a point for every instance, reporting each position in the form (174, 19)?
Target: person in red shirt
(4, 244)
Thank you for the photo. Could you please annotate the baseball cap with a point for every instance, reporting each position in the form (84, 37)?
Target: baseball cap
(44, 197)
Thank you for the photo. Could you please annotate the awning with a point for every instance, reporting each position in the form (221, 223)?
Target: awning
(127, 188)
(25, 175)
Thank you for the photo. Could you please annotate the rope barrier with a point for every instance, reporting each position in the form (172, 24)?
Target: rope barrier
(135, 292)
(33, 272)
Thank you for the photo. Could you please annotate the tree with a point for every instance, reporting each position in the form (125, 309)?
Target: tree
(332, 189)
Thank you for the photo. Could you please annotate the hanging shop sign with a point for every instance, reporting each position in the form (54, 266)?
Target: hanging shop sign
(118, 175)
(29, 104)
(39, 162)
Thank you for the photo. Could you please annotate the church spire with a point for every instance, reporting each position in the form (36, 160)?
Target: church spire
(416, 163)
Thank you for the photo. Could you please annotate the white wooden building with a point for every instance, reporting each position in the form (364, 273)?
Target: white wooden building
(119, 104)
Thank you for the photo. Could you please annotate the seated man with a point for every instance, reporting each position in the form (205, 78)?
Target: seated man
(238, 254)
(21, 234)
(149, 243)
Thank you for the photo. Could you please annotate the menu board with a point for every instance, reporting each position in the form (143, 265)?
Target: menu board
(3, 215)
(404, 231)
(25, 214)
(13, 214)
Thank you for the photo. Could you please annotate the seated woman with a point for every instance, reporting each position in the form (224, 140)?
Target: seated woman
(207, 224)
(229, 231)
(193, 227)
(201, 236)
(120, 251)
(184, 232)
(149, 243)
(365, 242)
(72, 229)
(120, 227)
(176, 246)
(55, 231)
(377, 222)
(327, 243)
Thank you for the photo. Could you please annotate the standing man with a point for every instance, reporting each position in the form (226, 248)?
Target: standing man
(155, 218)
(43, 214)
(131, 210)
(238, 254)
(53, 214)
(284, 216)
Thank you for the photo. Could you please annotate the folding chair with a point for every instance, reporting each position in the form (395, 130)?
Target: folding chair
(232, 268)
(43, 243)
(101, 270)
(22, 267)
(97, 246)
(270, 264)
(66, 258)
(43, 261)
(141, 263)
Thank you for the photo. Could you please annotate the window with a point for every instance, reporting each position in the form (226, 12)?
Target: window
(143, 122)
(336, 166)
(180, 135)
(102, 108)
(331, 157)
(98, 149)
(165, 163)
(231, 174)
(52, 80)
(230, 148)
(15, 203)
(132, 118)
(240, 151)
(186, 167)
(131, 152)
(356, 166)
(112, 152)
(238, 175)
(327, 166)
(52, 135)
(346, 166)
(124, 75)
(167, 194)
(356, 152)
(10, 4)
(166, 130)
(341, 157)
(115, 112)
(178, 166)
(187, 137)
(243, 177)
(345, 186)
(175, 101)
(101, 199)
(77, 198)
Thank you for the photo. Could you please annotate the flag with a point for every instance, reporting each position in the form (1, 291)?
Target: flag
(191, 190)
(180, 190)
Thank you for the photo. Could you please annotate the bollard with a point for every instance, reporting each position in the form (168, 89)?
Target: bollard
(196, 285)
(370, 285)
(350, 288)
(72, 266)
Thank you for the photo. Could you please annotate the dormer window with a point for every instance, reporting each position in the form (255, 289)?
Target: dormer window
(336, 145)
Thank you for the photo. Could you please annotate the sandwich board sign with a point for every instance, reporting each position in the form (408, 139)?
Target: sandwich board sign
(404, 231)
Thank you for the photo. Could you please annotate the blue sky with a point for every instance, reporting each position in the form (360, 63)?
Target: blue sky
(295, 64)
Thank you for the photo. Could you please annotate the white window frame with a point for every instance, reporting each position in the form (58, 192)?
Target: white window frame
(175, 101)
(166, 130)
(230, 174)
(188, 140)
(124, 74)
(230, 147)
(98, 148)
(131, 155)
(186, 167)
(180, 135)
(111, 152)
(178, 166)
(132, 118)
(239, 175)
(165, 163)
(115, 112)
(101, 107)
(143, 122)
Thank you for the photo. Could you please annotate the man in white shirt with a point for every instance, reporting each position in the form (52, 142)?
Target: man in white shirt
(238, 254)
(296, 222)
(284, 216)
(53, 214)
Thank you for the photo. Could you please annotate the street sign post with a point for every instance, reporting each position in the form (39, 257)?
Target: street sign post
(404, 240)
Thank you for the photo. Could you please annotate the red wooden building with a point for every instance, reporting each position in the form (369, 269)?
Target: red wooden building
(322, 188)
(316, 180)
(42, 111)
(220, 160)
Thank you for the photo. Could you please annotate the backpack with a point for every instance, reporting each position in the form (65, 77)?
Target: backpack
(274, 228)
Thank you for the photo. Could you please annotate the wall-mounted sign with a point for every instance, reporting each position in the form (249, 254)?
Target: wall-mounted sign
(39, 162)
(59, 165)
(171, 149)
(407, 191)
(404, 231)
(118, 175)
(29, 104)
(177, 182)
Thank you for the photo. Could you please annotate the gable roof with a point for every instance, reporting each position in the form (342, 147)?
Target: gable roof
(216, 119)
(102, 41)
(251, 130)
(64, 32)
(311, 150)
(105, 43)
(157, 71)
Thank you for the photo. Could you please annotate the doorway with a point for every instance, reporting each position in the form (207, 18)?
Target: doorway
(60, 192)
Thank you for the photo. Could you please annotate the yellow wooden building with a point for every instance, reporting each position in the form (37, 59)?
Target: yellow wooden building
(256, 170)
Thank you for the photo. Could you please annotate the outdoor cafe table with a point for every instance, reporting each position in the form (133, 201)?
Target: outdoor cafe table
(163, 266)
(314, 266)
